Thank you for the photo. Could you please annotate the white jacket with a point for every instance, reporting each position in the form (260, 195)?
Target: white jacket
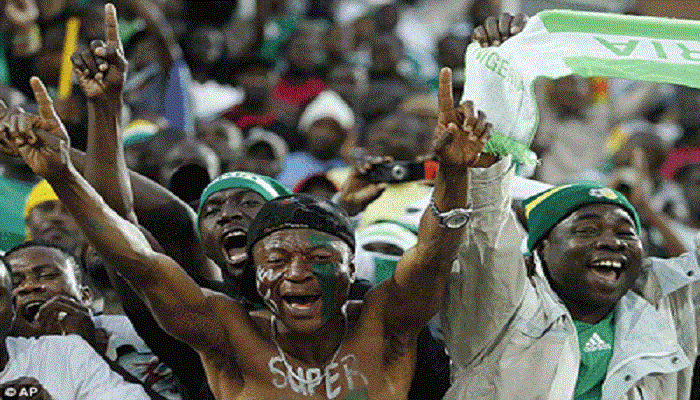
(511, 337)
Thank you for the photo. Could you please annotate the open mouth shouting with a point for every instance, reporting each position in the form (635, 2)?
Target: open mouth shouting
(301, 305)
(233, 244)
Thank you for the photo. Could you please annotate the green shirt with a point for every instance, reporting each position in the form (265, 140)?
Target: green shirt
(596, 346)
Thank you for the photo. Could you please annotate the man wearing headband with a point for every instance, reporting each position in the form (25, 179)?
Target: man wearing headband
(310, 343)
(226, 208)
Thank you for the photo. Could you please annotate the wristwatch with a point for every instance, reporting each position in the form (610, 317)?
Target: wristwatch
(453, 219)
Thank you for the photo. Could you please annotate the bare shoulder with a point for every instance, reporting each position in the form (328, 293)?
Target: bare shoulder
(261, 321)
(239, 325)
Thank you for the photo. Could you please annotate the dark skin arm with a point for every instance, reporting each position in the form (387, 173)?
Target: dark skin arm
(102, 73)
(357, 192)
(171, 294)
(169, 219)
(158, 27)
(414, 294)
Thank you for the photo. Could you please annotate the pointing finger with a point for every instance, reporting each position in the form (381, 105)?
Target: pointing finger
(445, 98)
(112, 26)
(42, 98)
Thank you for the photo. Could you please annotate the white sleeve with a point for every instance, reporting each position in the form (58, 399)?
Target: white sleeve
(94, 379)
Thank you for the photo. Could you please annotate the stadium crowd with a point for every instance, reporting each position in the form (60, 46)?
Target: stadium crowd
(195, 205)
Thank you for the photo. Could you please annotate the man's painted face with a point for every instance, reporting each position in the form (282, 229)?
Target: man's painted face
(223, 224)
(51, 222)
(592, 257)
(303, 275)
(38, 274)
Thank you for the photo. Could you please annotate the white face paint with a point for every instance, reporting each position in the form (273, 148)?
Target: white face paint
(266, 277)
(272, 257)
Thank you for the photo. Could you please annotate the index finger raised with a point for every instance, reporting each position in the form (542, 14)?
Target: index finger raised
(112, 26)
(445, 98)
(43, 99)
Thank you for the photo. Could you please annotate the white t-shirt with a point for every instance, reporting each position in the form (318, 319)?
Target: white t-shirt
(127, 349)
(67, 367)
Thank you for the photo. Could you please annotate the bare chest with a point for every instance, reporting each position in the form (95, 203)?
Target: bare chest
(349, 375)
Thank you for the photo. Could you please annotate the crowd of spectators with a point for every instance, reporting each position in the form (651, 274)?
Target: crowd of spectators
(224, 95)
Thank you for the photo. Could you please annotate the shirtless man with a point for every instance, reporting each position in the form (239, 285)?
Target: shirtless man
(311, 343)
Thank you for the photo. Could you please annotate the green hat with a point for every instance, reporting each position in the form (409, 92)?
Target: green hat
(546, 209)
(267, 187)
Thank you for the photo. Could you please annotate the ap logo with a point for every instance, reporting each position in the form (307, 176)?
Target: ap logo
(603, 192)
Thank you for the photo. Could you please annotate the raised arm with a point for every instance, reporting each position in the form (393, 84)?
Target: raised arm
(415, 292)
(101, 72)
(180, 306)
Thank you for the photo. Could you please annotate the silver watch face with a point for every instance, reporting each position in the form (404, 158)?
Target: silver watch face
(456, 220)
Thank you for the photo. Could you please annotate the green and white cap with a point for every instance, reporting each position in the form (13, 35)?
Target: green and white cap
(267, 187)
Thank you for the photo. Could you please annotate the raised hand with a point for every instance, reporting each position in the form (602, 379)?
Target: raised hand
(460, 135)
(497, 30)
(41, 140)
(102, 69)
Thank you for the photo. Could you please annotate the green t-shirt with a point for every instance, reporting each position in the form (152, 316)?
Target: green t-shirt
(596, 345)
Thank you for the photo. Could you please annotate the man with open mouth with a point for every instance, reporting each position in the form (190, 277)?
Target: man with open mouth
(611, 323)
(310, 342)
(584, 315)
(50, 366)
(50, 299)
(227, 206)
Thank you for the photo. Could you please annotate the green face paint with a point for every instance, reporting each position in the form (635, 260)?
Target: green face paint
(325, 273)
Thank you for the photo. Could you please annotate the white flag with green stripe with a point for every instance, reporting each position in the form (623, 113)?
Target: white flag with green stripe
(559, 43)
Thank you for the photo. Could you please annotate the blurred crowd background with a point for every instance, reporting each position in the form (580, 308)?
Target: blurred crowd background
(299, 90)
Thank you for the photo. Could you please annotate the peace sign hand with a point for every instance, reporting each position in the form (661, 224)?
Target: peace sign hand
(102, 69)
(41, 140)
(460, 135)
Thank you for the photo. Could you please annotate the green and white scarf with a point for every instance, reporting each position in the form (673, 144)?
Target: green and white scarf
(559, 43)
